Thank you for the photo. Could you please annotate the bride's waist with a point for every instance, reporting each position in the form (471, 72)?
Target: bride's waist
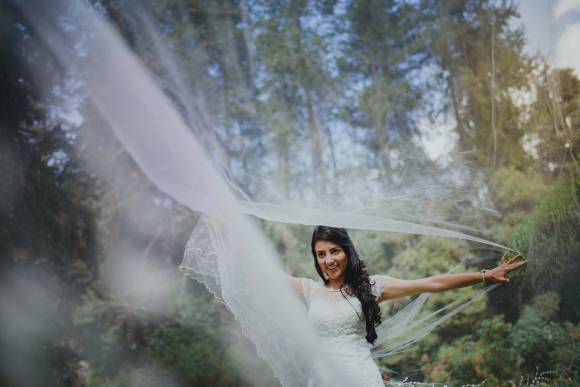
(347, 341)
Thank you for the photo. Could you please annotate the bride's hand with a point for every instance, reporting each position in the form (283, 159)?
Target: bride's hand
(506, 265)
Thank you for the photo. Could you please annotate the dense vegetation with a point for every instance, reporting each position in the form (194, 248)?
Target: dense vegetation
(283, 81)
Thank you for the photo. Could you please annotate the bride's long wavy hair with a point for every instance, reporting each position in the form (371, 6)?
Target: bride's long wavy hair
(356, 275)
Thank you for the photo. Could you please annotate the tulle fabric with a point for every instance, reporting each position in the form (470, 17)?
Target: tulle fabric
(203, 261)
(227, 252)
(256, 290)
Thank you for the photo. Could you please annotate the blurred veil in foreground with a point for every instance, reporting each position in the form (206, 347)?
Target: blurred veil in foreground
(193, 152)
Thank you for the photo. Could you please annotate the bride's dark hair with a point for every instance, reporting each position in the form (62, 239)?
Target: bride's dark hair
(356, 275)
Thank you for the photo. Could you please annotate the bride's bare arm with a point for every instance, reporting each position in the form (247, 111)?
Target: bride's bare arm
(396, 288)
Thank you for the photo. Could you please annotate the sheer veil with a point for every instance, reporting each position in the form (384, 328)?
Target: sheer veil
(227, 252)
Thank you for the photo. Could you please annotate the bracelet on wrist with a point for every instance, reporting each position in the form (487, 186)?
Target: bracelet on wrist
(483, 275)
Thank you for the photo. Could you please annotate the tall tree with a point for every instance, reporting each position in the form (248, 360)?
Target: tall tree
(480, 58)
(295, 79)
(383, 47)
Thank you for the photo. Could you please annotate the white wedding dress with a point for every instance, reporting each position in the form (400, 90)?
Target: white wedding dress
(336, 318)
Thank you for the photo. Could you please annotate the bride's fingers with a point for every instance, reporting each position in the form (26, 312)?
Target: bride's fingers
(501, 279)
(502, 260)
(515, 266)
(519, 264)
(514, 258)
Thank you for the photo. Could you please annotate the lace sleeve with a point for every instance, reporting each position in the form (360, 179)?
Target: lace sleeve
(378, 283)
(307, 285)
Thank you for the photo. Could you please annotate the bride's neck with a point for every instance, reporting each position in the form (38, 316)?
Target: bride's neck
(335, 284)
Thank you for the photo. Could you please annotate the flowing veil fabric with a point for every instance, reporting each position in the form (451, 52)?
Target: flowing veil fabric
(226, 252)
(205, 261)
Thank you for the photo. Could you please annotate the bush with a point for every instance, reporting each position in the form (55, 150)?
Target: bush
(500, 353)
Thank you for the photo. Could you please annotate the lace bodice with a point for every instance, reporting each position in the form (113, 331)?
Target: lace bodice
(335, 313)
(339, 320)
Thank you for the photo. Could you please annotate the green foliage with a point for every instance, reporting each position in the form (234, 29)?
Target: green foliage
(91, 309)
(538, 339)
(378, 249)
(516, 193)
(501, 353)
(550, 239)
(429, 256)
(194, 353)
(473, 358)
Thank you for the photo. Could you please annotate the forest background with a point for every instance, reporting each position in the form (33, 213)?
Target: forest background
(289, 83)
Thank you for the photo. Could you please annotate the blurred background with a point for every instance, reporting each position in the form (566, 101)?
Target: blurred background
(461, 104)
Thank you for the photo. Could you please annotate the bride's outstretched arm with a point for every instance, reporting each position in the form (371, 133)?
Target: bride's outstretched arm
(396, 288)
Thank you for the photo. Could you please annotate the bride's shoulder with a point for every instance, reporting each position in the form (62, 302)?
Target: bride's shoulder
(378, 283)
(304, 285)
(308, 283)
(307, 286)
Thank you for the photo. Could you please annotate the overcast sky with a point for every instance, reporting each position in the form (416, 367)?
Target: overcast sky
(553, 29)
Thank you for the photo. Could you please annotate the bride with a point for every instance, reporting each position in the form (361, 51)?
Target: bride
(344, 307)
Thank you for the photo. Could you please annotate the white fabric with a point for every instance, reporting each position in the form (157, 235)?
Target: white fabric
(229, 254)
(335, 316)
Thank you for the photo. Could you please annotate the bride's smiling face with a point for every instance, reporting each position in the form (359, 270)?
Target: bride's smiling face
(332, 259)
